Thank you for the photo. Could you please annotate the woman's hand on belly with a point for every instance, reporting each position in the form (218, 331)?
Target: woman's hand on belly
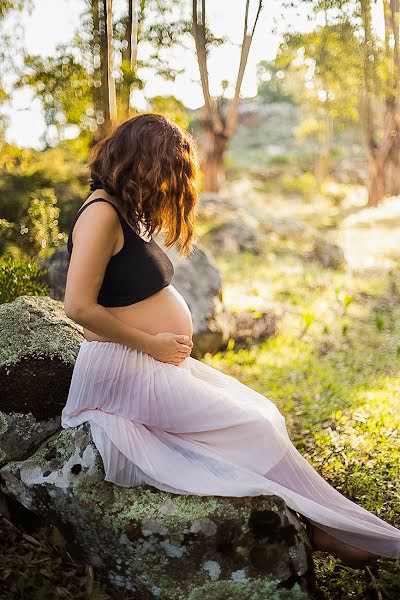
(169, 347)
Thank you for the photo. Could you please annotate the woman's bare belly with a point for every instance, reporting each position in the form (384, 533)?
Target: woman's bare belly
(165, 311)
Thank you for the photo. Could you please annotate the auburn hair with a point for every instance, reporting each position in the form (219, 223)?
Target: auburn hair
(151, 166)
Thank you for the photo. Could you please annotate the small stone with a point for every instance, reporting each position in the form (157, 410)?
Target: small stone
(239, 575)
(213, 569)
(172, 549)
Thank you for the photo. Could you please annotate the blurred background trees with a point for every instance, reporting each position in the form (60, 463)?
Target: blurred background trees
(339, 81)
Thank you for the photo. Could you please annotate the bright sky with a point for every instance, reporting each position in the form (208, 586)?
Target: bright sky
(54, 21)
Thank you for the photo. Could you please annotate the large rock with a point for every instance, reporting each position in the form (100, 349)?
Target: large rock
(254, 328)
(327, 254)
(197, 279)
(161, 544)
(254, 222)
(236, 236)
(38, 347)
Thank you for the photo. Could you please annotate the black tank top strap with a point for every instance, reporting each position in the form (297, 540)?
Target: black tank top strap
(100, 200)
(79, 212)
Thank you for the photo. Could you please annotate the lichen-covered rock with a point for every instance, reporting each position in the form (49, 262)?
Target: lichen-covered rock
(196, 278)
(57, 268)
(216, 209)
(38, 348)
(327, 254)
(172, 546)
(236, 236)
(254, 328)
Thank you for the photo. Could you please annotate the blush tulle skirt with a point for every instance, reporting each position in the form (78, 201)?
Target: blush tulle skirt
(192, 429)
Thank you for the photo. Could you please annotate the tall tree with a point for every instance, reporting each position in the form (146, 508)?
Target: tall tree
(322, 72)
(74, 85)
(220, 121)
(112, 99)
(129, 57)
(381, 97)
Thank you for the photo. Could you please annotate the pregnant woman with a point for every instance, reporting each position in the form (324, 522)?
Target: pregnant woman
(159, 416)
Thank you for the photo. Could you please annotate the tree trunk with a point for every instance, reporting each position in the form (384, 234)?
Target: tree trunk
(376, 180)
(322, 168)
(380, 149)
(217, 131)
(393, 169)
(105, 102)
(112, 98)
(97, 72)
(125, 88)
(213, 148)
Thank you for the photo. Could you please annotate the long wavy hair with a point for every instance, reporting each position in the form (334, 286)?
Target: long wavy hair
(151, 166)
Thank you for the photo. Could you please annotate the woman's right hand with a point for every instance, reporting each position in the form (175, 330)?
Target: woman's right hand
(170, 347)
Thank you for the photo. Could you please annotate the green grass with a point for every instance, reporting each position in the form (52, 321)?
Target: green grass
(333, 370)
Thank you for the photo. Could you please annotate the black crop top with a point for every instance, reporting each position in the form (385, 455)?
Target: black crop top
(137, 271)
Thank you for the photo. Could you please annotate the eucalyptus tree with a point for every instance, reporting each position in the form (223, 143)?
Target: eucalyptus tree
(76, 85)
(381, 101)
(220, 117)
(322, 72)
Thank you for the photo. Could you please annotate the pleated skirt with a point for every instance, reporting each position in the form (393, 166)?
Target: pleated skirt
(192, 429)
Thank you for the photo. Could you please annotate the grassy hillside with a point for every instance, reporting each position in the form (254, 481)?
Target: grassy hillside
(333, 367)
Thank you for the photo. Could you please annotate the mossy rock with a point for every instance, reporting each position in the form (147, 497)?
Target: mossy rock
(173, 546)
(38, 349)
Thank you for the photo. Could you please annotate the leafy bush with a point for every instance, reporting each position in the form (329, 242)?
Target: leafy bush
(36, 232)
(303, 184)
(19, 277)
(335, 191)
(6, 233)
(281, 159)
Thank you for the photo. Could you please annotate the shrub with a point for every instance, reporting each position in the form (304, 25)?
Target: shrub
(303, 184)
(336, 192)
(37, 232)
(20, 276)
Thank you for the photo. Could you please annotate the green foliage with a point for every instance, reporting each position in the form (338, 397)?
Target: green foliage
(336, 192)
(19, 277)
(309, 318)
(36, 232)
(324, 69)
(63, 86)
(303, 184)
(344, 298)
(9, 5)
(172, 108)
(270, 86)
(338, 386)
(60, 169)
(6, 234)
(379, 322)
(39, 230)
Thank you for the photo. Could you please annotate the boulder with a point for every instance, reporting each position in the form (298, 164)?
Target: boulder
(57, 268)
(197, 279)
(253, 328)
(139, 538)
(254, 222)
(160, 544)
(38, 348)
(327, 254)
(236, 236)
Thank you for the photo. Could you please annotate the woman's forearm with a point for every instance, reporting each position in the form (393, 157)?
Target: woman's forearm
(99, 320)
